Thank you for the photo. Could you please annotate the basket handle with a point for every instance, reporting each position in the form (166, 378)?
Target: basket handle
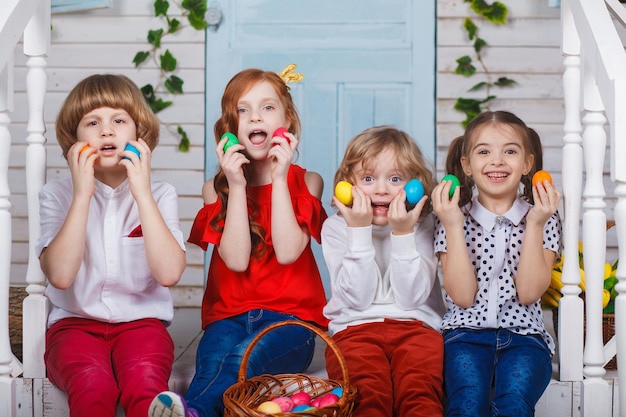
(329, 341)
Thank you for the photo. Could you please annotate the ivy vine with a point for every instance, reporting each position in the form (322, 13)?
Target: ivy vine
(495, 13)
(193, 11)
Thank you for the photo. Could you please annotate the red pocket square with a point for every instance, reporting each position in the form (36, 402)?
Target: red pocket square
(136, 232)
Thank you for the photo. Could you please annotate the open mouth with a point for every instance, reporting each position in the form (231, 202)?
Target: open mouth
(257, 137)
(380, 208)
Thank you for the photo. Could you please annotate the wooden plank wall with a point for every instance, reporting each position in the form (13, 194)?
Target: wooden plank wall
(105, 41)
(527, 50)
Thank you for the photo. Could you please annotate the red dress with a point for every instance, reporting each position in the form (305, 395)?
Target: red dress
(294, 289)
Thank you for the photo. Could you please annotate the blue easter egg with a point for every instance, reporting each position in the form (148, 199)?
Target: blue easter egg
(414, 191)
(131, 148)
(337, 391)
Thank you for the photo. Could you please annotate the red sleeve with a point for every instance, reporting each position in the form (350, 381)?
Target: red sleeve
(310, 212)
(201, 231)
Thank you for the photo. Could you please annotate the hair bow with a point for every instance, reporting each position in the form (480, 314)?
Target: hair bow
(289, 75)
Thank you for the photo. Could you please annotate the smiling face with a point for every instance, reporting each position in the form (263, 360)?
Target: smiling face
(260, 113)
(381, 181)
(108, 131)
(496, 160)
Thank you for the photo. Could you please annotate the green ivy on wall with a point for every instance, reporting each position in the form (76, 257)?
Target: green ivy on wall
(495, 13)
(193, 11)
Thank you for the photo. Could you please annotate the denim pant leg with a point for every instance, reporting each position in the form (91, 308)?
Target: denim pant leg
(523, 373)
(468, 368)
(288, 349)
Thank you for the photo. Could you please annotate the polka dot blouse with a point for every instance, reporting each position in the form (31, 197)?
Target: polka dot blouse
(494, 244)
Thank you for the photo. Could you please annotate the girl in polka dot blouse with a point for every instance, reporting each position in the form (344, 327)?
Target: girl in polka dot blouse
(497, 238)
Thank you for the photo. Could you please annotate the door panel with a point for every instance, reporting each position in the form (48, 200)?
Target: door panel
(365, 63)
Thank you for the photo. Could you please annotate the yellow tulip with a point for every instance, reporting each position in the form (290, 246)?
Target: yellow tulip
(551, 298)
(582, 280)
(608, 271)
(559, 264)
(606, 297)
(555, 280)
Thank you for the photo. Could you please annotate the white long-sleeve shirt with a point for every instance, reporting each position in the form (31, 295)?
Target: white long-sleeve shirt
(376, 275)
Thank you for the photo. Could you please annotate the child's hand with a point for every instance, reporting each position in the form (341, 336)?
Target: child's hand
(446, 208)
(281, 155)
(232, 161)
(401, 220)
(547, 199)
(81, 159)
(138, 169)
(361, 213)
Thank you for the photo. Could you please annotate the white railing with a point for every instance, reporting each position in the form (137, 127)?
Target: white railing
(594, 84)
(28, 20)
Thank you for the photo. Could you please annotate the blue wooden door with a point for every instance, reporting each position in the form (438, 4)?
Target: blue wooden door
(365, 63)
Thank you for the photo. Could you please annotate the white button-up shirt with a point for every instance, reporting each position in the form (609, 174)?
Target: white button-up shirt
(114, 283)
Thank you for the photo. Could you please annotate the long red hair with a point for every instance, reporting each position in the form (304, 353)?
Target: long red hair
(239, 85)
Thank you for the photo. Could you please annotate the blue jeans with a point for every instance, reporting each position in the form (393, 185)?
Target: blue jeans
(287, 349)
(518, 368)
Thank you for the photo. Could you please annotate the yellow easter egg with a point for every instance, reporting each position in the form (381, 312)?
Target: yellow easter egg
(343, 192)
(269, 407)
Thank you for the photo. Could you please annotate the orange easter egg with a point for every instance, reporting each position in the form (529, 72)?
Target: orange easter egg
(541, 176)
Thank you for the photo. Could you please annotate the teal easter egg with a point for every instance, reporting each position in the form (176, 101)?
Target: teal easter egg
(414, 191)
(131, 148)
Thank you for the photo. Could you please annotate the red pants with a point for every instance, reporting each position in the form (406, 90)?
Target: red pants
(100, 364)
(396, 366)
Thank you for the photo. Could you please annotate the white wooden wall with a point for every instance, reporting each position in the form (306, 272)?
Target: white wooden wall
(527, 50)
(106, 40)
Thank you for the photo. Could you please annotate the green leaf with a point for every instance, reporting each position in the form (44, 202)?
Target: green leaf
(173, 25)
(174, 85)
(140, 57)
(610, 282)
(469, 106)
(154, 37)
(479, 44)
(160, 7)
(495, 12)
(197, 7)
(465, 66)
(159, 104)
(168, 62)
(183, 146)
(610, 307)
(505, 82)
(197, 21)
(197, 10)
(148, 93)
(470, 27)
(479, 86)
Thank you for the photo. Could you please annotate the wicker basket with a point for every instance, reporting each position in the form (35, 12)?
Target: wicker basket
(608, 330)
(16, 297)
(242, 398)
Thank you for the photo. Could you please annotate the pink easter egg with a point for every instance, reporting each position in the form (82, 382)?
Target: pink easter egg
(285, 403)
(281, 132)
(300, 398)
(324, 400)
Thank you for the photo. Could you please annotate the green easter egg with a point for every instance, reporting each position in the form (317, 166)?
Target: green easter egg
(455, 182)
